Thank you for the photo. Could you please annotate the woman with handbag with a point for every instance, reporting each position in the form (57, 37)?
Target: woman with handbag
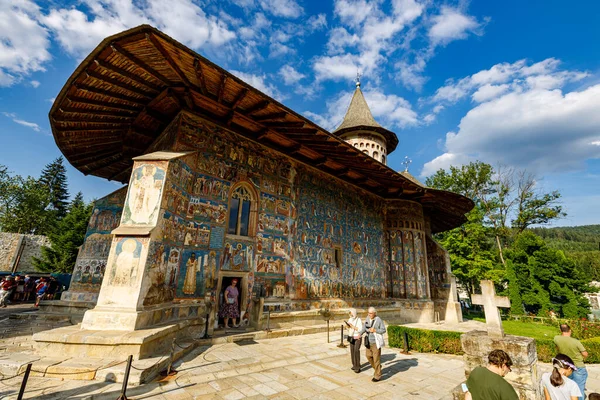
(354, 338)
(229, 307)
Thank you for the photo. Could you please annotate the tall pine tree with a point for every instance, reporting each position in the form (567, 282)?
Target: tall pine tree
(66, 239)
(54, 177)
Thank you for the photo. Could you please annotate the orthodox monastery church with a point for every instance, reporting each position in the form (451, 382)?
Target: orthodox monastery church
(225, 182)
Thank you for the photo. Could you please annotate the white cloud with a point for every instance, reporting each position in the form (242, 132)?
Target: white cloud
(451, 24)
(317, 22)
(28, 124)
(290, 75)
(540, 130)
(336, 67)
(24, 42)
(35, 84)
(282, 8)
(500, 78)
(595, 143)
(78, 32)
(488, 92)
(258, 81)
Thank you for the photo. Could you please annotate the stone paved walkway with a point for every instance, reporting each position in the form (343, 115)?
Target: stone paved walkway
(286, 368)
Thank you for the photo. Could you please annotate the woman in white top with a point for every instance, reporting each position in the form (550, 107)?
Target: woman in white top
(355, 339)
(556, 385)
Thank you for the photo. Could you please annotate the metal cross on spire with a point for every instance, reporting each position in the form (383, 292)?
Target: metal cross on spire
(407, 161)
(357, 80)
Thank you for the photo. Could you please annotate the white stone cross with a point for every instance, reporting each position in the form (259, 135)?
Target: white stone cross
(491, 303)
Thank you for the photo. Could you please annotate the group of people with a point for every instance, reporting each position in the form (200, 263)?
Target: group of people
(565, 382)
(374, 328)
(18, 288)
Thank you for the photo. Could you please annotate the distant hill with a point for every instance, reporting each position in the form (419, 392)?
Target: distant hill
(582, 243)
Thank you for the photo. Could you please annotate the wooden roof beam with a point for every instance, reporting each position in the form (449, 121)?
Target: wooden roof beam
(140, 64)
(94, 119)
(91, 156)
(104, 163)
(156, 44)
(277, 115)
(90, 129)
(102, 92)
(120, 71)
(87, 111)
(261, 105)
(118, 83)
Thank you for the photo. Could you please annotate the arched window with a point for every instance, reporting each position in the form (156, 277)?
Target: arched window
(355, 144)
(242, 211)
(366, 152)
(362, 145)
(375, 155)
(383, 159)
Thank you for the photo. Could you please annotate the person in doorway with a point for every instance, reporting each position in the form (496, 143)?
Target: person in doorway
(375, 328)
(556, 385)
(230, 305)
(575, 350)
(354, 338)
(488, 383)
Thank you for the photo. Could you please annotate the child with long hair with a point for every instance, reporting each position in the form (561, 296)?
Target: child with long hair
(556, 385)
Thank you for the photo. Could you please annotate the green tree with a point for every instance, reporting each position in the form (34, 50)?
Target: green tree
(9, 189)
(66, 239)
(28, 212)
(54, 177)
(514, 290)
(547, 279)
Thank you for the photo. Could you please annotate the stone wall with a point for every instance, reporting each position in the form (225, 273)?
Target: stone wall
(29, 246)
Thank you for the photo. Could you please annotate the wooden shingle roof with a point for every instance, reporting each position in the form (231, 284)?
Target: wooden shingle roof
(123, 95)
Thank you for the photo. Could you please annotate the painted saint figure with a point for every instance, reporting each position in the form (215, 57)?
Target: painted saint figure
(189, 285)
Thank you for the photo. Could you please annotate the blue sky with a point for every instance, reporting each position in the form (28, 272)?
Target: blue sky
(513, 83)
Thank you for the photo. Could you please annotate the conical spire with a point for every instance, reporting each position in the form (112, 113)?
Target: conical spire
(358, 113)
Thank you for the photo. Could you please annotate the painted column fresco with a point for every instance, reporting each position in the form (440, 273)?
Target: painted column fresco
(93, 255)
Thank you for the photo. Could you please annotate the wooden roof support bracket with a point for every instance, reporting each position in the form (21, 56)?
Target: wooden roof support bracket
(119, 84)
(261, 105)
(221, 88)
(200, 76)
(102, 92)
(239, 98)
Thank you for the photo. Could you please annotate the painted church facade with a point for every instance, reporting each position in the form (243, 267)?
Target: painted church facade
(207, 202)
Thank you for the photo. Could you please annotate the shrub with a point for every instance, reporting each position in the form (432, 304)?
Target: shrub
(426, 341)
(448, 342)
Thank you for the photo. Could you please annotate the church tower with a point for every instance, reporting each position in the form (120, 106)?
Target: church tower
(360, 129)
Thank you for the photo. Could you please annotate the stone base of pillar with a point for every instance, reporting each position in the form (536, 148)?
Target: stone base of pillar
(525, 375)
(72, 341)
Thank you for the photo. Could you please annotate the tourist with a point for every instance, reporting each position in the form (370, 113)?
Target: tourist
(354, 338)
(556, 385)
(40, 290)
(594, 396)
(574, 349)
(29, 287)
(6, 288)
(488, 383)
(374, 341)
(229, 306)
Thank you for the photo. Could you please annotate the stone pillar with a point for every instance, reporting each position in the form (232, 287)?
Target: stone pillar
(525, 376)
(126, 280)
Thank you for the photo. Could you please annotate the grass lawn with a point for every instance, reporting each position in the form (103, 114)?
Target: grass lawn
(529, 329)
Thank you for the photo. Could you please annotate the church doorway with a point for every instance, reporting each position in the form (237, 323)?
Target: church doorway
(231, 305)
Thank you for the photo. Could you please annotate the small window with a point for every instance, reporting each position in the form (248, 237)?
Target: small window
(366, 152)
(239, 211)
(383, 159)
(338, 257)
(375, 155)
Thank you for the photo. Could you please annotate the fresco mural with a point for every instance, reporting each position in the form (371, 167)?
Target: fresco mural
(92, 258)
(438, 275)
(190, 281)
(144, 194)
(124, 266)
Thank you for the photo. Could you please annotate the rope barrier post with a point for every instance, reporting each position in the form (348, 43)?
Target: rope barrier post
(123, 395)
(406, 349)
(327, 331)
(268, 321)
(206, 329)
(24, 382)
(342, 345)
(171, 371)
